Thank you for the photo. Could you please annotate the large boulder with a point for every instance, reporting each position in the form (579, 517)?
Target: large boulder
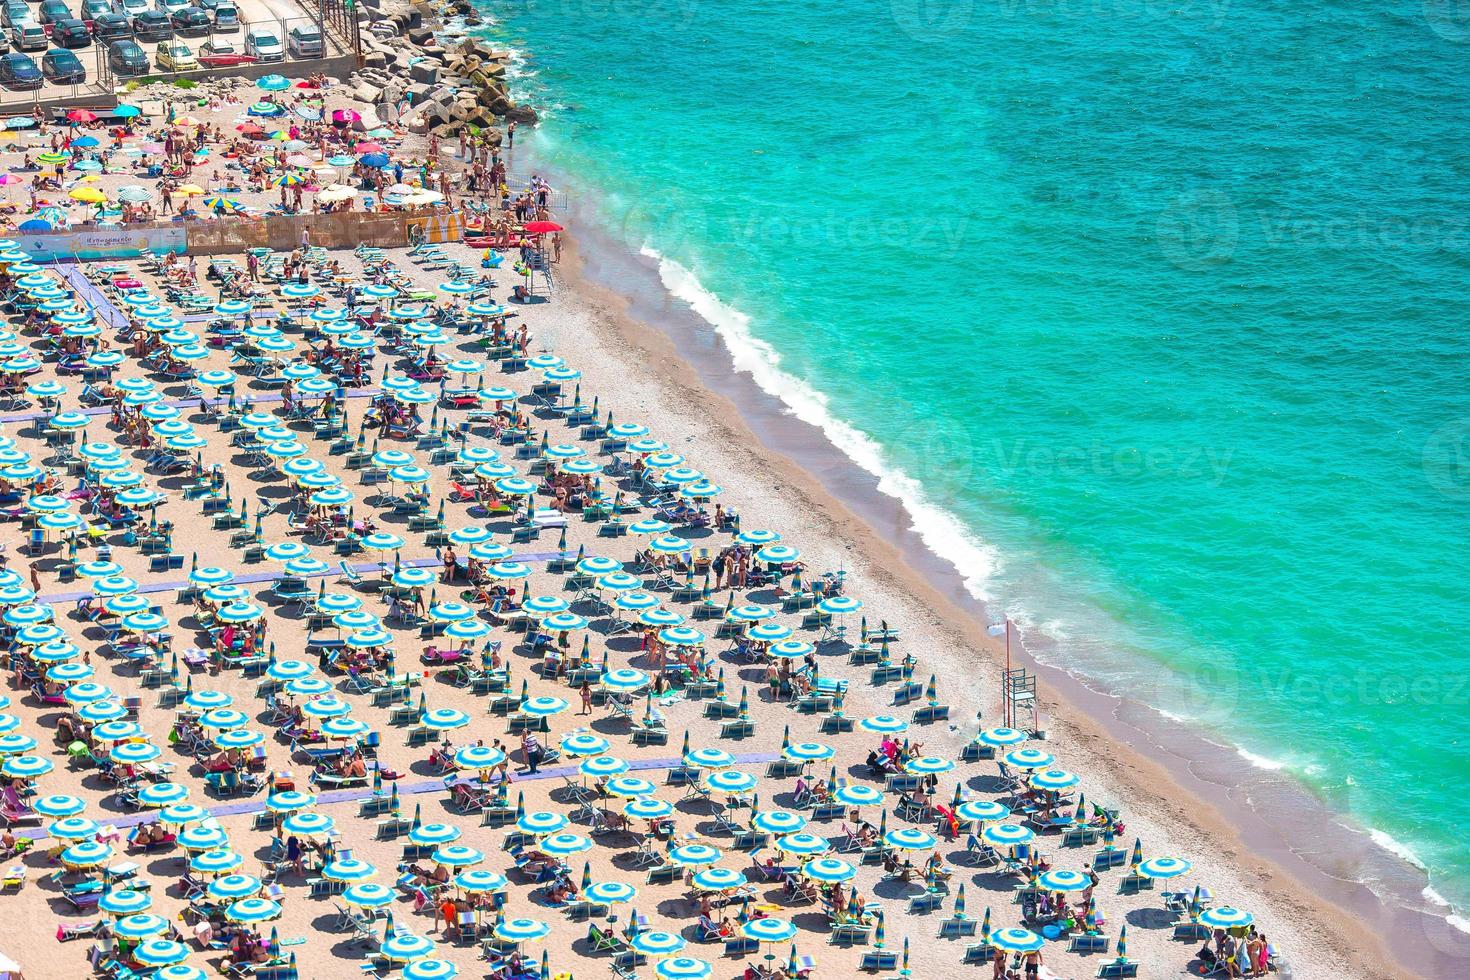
(426, 72)
(364, 92)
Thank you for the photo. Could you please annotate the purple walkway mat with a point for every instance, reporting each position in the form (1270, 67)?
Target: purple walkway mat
(417, 788)
(255, 399)
(254, 577)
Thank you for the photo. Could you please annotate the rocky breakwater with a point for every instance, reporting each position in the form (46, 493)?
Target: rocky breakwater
(428, 75)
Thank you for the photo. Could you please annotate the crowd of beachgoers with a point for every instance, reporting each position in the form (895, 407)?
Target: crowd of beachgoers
(348, 622)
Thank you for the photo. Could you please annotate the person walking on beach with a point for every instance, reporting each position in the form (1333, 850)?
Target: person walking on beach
(586, 692)
(532, 752)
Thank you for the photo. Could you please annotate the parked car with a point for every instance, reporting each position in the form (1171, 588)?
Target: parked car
(19, 71)
(176, 56)
(226, 17)
(261, 43)
(152, 25)
(125, 57)
(169, 6)
(92, 9)
(108, 26)
(191, 21)
(130, 8)
(306, 42)
(63, 67)
(53, 11)
(28, 36)
(71, 33)
(219, 53)
(15, 12)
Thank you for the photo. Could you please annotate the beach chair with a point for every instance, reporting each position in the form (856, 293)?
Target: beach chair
(1120, 968)
(884, 961)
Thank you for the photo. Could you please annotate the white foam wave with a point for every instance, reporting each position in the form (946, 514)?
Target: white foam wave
(942, 532)
(1260, 761)
(1395, 847)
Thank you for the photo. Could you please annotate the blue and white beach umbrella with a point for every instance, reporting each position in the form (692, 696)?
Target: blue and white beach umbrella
(1063, 881)
(182, 814)
(223, 719)
(231, 888)
(348, 869)
(928, 765)
(584, 743)
(16, 744)
(694, 855)
(790, 649)
(125, 901)
(434, 834)
(625, 679)
(884, 725)
(648, 808)
(1008, 835)
(1164, 867)
(709, 758)
(1016, 940)
(1001, 737)
(253, 910)
(139, 926)
(369, 896)
(610, 893)
(404, 947)
(910, 839)
(308, 824)
(769, 930)
(58, 805)
(718, 879)
(561, 845)
(74, 829)
(655, 943)
(430, 970)
(602, 767)
(1054, 780)
(542, 822)
(779, 822)
(87, 854)
(478, 757)
(730, 781)
(543, 706)
(805, 845)
(202, 838)
(777, 554)
(1028, 759)
(829, 870)
(982, 810)
(480, 880)
(809, 752)
(521, 930)
(856, 794)
(683, 968)
(159, 795)
(1225, 917)
(457, 855)
(444, 719)
(327, 707)
(160, 952)
(26, 766)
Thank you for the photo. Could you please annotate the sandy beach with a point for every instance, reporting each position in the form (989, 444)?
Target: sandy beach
(636, 363)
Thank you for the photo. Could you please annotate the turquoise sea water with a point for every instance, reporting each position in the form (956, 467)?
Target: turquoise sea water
(1177, 333)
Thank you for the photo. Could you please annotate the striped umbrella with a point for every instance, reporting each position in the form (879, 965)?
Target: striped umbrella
(160, 952)
(1016, 940)
(718, 879)
(683, 968)
(521, 930)
(829, 870)
(430, 970)
(1163, 867)
(1225, 917)
(253, 910)
(655, 943)
(1064, 881)
(959, 902)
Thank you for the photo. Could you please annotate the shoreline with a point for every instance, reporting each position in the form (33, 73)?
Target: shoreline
(1188, 780)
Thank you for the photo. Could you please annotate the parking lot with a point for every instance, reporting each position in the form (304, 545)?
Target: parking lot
(276, 17)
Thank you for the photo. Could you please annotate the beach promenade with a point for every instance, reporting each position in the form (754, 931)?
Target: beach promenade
(429, 624)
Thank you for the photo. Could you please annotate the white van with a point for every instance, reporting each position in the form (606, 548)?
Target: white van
(28, 36)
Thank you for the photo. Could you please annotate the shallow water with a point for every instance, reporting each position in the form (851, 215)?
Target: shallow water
(1174, 365)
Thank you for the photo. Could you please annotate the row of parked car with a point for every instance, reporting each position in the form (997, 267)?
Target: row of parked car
(118, 25)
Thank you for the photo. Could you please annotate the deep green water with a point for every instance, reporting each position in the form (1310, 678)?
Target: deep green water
(1174, 368)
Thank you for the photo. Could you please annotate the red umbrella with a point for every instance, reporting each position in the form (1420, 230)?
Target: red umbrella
(81, 115)
(362, 148)
(542, 227)
(250, 129)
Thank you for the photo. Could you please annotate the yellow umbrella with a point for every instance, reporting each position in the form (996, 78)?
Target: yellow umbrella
(189, 190)
(88, 195)
(88, 179)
